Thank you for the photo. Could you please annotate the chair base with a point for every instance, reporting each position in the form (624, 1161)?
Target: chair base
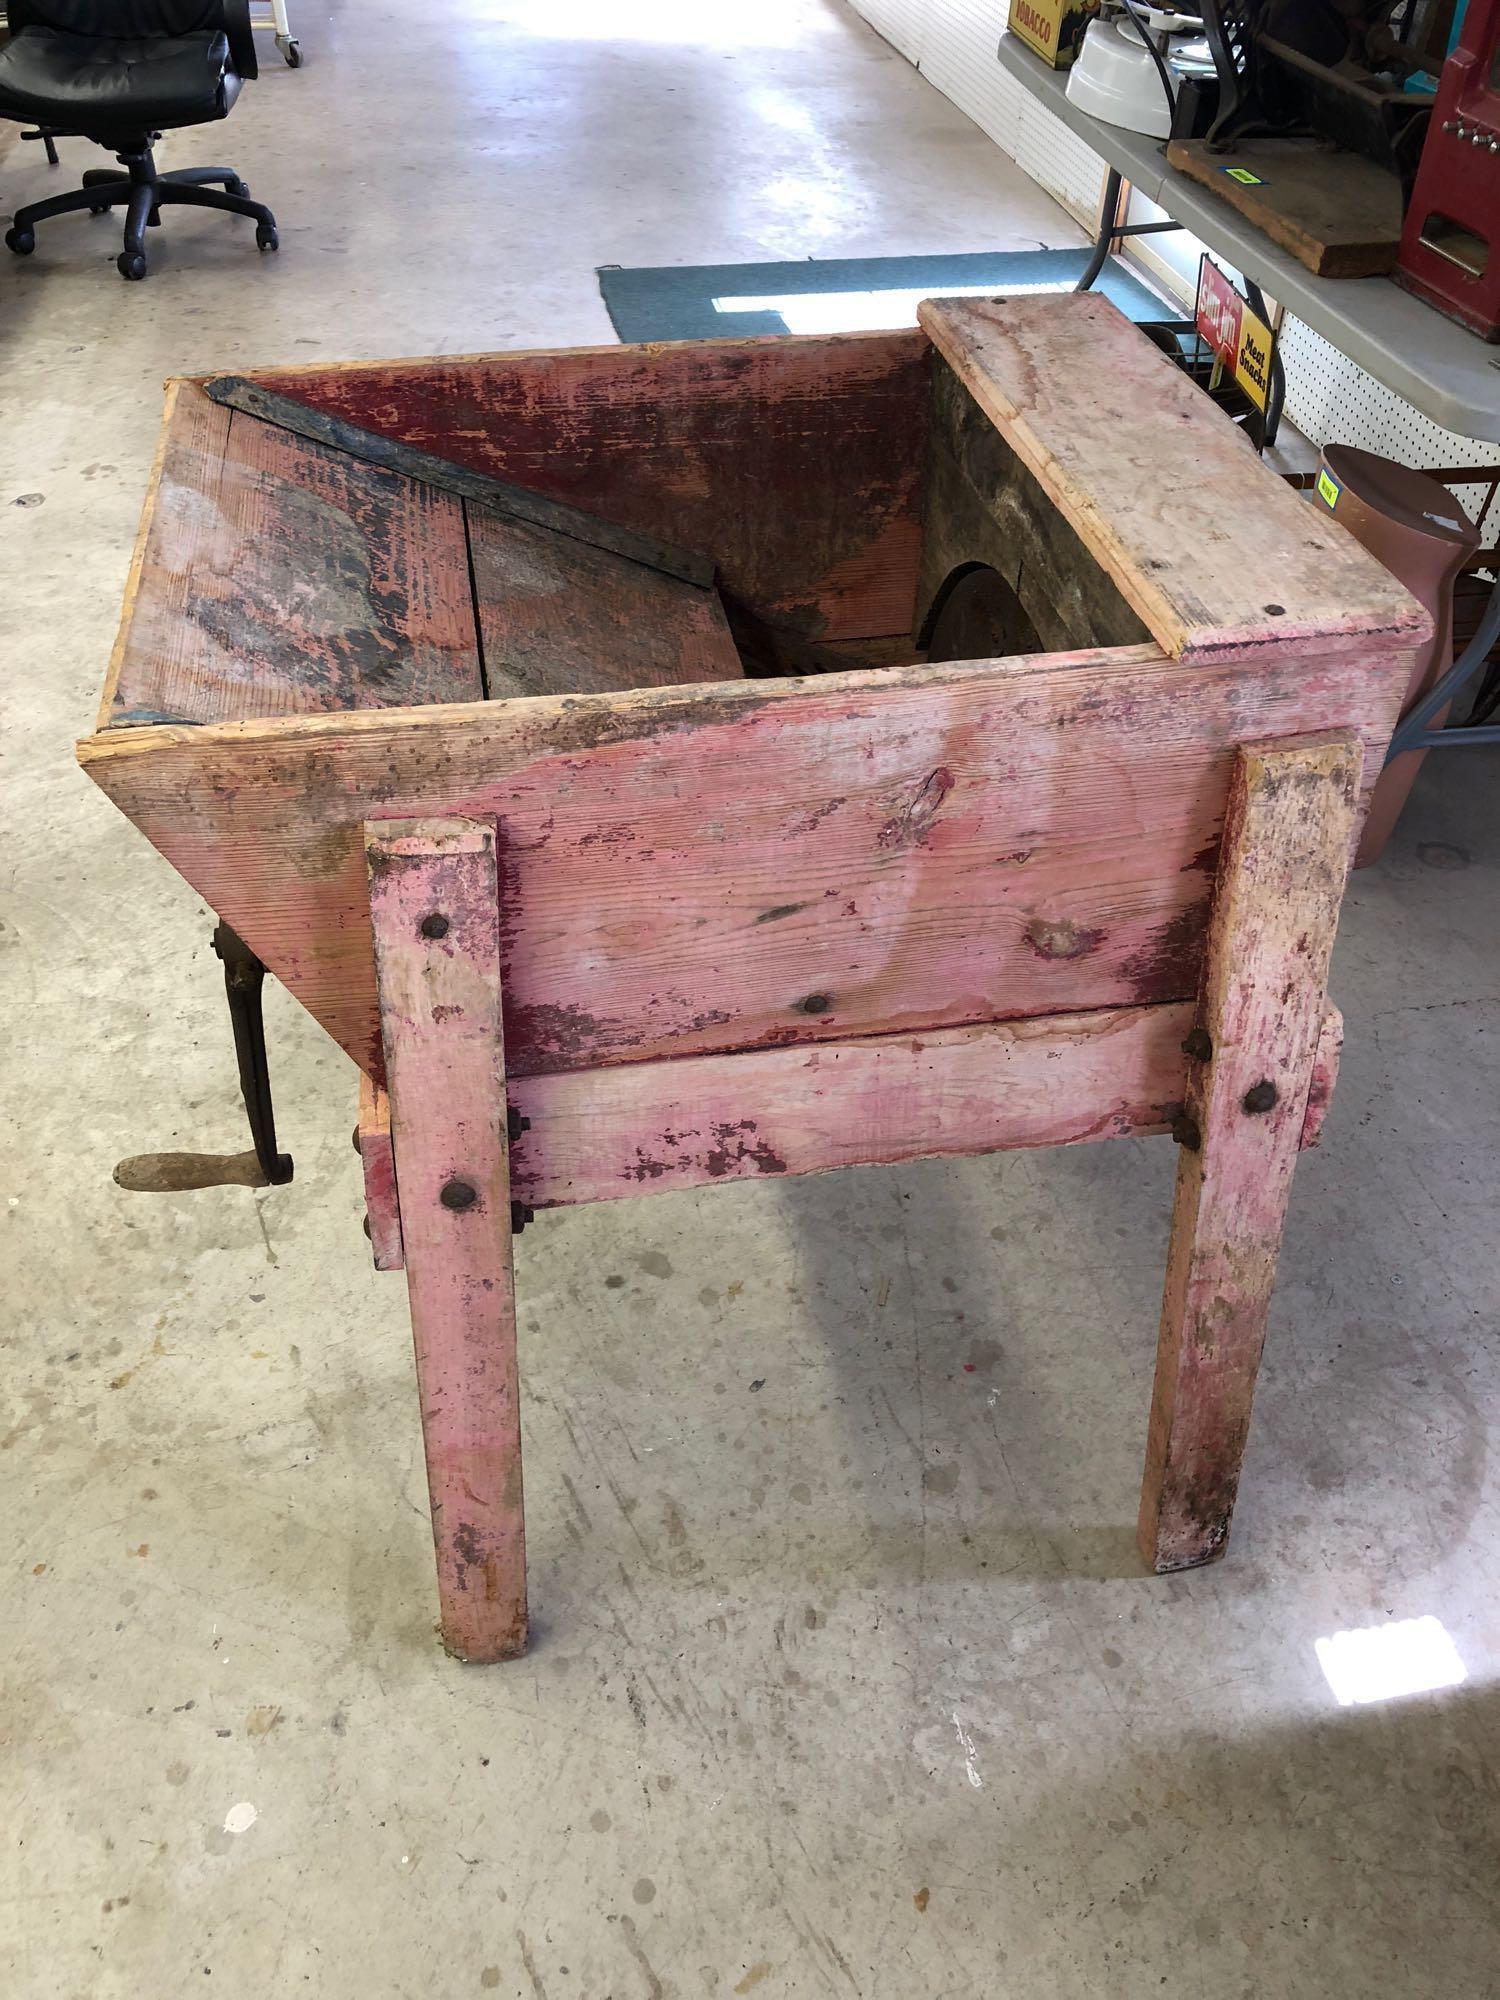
(144, 192)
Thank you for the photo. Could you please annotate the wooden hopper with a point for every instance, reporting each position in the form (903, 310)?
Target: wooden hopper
(604, 915)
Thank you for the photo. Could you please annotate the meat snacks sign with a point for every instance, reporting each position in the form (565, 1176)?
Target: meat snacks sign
(1241, 342)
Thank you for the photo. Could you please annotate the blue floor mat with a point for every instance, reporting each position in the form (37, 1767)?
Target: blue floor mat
(834, 295)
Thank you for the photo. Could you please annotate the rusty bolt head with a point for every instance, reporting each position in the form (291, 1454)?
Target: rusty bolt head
(1185, 1131)
(458, 1195)
(1199, 1044)
(815, 1003)
(434, 926)
(1260, 1096)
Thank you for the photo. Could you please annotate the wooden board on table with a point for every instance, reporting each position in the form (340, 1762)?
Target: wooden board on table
(795, 462)
(277, 577)
(1217, 555)
(763, 862)
(1337, 213)
(558, 615)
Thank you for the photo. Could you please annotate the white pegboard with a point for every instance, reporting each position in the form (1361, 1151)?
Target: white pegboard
(1333, 402)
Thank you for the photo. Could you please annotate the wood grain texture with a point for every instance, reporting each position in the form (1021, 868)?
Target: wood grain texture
(647, 1128)
(762, 862)
(557, 616)
(1338, 213)
(1287, 841)
(445, 1061)
(378, 1159)
(796, 463)
(1325, 1076)
(1214, 552)
(278, 577)
(983, 506)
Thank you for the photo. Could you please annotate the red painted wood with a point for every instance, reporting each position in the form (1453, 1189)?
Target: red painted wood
(561, 616)
(762, 862)
(377, 1156)
(795, 463)
(1287, 842)
(1216, 554)
(440, 1019)
(1325, 1075)
(281, 578)
(648, 1128)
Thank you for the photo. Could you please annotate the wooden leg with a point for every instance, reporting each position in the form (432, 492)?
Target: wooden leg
(434, 904)
(1287, 839)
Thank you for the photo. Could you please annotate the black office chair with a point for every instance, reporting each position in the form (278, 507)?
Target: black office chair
(122, 72)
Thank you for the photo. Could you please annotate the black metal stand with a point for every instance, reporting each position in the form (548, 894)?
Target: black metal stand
(1112, 232)
(244, 975)
(1412, 732)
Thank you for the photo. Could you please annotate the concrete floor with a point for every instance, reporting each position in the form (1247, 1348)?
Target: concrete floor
(845, 1677)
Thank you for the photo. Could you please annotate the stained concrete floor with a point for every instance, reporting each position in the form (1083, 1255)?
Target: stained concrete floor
(845, 1677)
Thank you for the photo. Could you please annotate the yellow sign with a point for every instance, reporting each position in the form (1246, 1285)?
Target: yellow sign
(1054, 28)
(1241, 340)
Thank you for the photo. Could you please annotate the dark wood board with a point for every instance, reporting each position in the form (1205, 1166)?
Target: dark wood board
(1337, 213)
(794, 462)
(281, 578)
(558, 616)
(984, 507)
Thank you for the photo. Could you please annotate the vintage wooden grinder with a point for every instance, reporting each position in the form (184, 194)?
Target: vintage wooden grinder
(480, 776)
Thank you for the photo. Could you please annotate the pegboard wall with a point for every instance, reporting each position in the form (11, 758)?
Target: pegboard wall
(952, 42)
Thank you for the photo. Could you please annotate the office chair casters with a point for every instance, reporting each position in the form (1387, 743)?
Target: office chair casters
(145, 192)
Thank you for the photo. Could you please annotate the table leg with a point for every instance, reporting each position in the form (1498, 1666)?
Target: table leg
(1287, 839)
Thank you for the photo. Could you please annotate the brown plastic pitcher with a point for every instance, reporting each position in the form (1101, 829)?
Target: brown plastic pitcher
(1418, 530)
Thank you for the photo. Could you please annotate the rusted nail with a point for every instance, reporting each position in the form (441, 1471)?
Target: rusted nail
(1260, 1096)
(458, 1195)
(520, 1215)
(515, 1124)
(1199, 1044)
(1185, 1132)
(434, 926)
(815, 1003)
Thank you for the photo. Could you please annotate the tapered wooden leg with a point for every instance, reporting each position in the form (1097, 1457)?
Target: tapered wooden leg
(435, 909)
(1286, 849)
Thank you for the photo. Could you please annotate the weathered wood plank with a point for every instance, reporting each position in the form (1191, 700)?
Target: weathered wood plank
(1325, 1076)
(649, 1128)
(557, 616)
(377, 1157)
(1216, 554)
(982, 505)
(762, 862)
(433, 903)
(281, 578)
(795, 463)
(190, 443)
(499, 495)
(1287, 840)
